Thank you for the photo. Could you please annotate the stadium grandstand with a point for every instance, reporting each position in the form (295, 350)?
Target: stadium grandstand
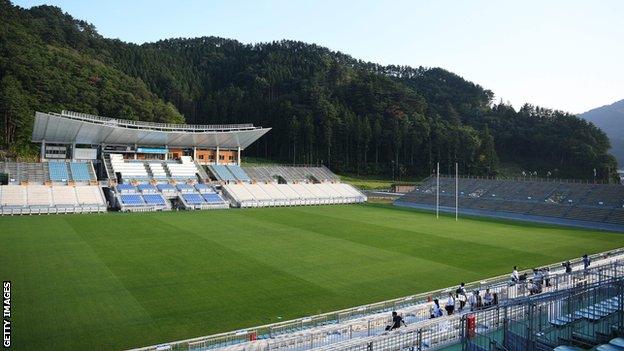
(53, 187)
(582, 307)
(143, 166)
(569, 203)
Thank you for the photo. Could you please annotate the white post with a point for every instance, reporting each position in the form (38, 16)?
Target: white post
(194, 153)
(438, 190)
(43, 146)
(217, 156)
(456, 190)
(73, 152)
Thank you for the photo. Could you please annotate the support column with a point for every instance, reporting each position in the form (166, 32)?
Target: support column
(194, 153)
(73, 152)
(238, 158)
(217, 156)
(166, 152)
(43, 145)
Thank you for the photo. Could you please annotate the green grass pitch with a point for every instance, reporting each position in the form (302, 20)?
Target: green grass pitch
(115, 281)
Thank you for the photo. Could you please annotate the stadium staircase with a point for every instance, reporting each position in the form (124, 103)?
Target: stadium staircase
(108, 167)
(148, 170)
(202, 172)
(585, 303)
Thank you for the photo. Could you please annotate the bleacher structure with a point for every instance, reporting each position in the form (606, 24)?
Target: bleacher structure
(148, 197)
(128, 171)
(291, 173)
(147, 166)
(153, 185)
(582, 204)
(53, 187)
(584, 306)
(283, 186)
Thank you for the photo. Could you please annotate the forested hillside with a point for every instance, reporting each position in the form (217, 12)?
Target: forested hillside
(610, 118)
(324, 106)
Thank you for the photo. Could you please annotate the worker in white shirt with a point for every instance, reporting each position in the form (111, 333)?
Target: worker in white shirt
(461, 296)
(514, 275)
(450, 304)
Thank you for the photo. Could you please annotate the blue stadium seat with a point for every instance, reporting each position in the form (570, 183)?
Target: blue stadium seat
(223, 172)
(212, 198)
(80, 171)
(185, 188)
(165, 187)
(58, 171)
(203, 188)
(126, 188)
(239, 173)
(147, 188)
(132, 200)
(193, 199)
(154, 199)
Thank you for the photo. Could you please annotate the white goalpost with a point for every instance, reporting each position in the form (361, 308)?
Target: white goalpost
(438, 190)
(456, 190)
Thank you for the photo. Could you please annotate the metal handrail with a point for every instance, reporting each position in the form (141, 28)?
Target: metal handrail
(153, 125)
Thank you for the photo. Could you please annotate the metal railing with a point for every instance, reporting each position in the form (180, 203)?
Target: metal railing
(581, 313)
(371, 319)
(512, 325)
(153, 125)
(493, 328)
(528, 178)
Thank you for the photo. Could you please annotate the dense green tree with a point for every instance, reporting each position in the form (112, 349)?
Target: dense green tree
(15, 115)
(324, 106)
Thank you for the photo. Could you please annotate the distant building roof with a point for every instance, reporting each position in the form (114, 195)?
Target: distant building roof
(72, 127)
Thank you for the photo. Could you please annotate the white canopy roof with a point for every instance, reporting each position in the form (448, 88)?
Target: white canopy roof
(71, 127)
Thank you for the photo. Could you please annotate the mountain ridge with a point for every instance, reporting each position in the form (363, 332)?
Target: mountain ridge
(324, 106)
(610, 118)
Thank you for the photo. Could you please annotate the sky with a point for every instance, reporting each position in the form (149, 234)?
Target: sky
(567, 55)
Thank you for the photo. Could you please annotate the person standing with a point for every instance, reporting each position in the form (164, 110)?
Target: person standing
(586, 262)
(475, 300)
(568, 267)
(450, 304)
(461, 296)
(568, 270)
